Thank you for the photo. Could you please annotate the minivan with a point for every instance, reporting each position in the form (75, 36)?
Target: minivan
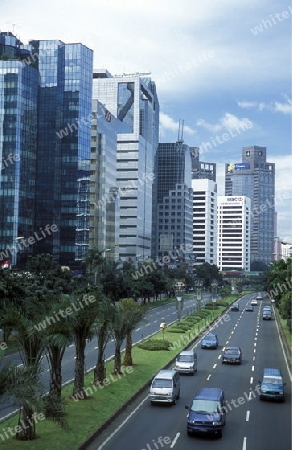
(207, 412)
(267, 313)
(186, 362)
(272, 385)
(165, 387)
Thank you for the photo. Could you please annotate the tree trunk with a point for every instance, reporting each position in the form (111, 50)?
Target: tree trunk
(118, 359)
(55, 393)
(27, 424)
(99, 373)
(78, 387)
(128, 351)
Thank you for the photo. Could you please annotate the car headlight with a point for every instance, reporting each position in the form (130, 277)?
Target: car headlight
(217, 423)
(264, 390)
(191, 421)
(281, 392)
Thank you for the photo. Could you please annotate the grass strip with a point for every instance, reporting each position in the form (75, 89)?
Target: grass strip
(86, 416)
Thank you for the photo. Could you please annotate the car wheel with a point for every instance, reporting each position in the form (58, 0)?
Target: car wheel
(220, 433)
(178, 395)
(174, 401)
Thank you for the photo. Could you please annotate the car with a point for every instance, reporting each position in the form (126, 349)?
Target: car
(165, 387)
(254, 302)
(210, 341)
(267, 308)
(234, 306)
(232, 355)
(207, 412)
(249, 308)
(186, 362)
(272, 385)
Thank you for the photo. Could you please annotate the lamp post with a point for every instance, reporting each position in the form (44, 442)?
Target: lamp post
(214, 284)
(179, 290)
(199, 284)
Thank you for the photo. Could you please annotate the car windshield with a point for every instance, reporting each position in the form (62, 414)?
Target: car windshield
(185, 358)
(272, 380)
(161, 383)
(231, 351)
(205, 406)
(210, 337)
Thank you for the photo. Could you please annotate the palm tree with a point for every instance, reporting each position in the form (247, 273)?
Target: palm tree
(106, 314)
(81, 323)
(31, 346)
(133, 314)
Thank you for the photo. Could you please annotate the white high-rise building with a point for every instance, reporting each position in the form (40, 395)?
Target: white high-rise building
(233, 250)
(205, 221)
(133, 101)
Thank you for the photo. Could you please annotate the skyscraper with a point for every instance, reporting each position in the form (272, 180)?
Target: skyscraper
(132, 99)
(18, 146)
(201, 169)
(173, 202)
(254, 177)
(233, 249)
(49, 117)
(204, 221)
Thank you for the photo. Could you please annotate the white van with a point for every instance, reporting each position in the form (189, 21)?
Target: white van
(165, 387)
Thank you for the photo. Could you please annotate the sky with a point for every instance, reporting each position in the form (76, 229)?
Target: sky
(222, 68)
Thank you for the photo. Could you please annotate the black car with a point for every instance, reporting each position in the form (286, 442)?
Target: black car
(232, 355)
(249, 308)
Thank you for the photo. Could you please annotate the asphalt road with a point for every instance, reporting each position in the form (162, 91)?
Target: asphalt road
(251, 424)
(149, 326)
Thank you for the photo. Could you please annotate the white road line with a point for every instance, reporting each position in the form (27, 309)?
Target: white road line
(255, 350)
(122, 424)
(251, 380)
(219, 357)
(253, 358)
(244, 444)
(255, 344)
(208, 377)
(175, 439)
(252, 368)
(247, 416)
(215, 365)
(249, 395)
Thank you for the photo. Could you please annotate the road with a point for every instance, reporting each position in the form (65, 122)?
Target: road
(150, 325)
(251, 424)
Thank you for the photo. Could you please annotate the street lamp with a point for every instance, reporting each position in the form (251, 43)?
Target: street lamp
(179, 286)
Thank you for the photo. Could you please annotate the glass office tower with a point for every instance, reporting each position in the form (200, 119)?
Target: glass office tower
(18, 137)
(173, 203)
(48, 123)
(132, 99)
(254, 177)
(63, 148)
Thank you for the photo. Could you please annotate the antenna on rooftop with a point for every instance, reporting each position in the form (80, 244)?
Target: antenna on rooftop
(180, 134)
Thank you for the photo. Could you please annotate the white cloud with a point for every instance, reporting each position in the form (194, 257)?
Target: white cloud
(228, 121)
(285, 108)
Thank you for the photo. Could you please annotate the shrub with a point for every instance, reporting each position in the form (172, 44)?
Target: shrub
(155, 344)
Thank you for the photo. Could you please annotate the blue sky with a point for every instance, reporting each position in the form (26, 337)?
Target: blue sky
(219, 66)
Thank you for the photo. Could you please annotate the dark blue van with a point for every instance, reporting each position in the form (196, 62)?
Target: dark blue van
(207, 412)
(272, 385)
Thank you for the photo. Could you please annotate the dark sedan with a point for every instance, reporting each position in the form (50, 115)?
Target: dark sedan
(232, 355)
(249, 308)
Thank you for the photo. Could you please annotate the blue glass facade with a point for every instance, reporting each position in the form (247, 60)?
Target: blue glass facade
(18, 131)
(63, 174)
(46, 102)
(173, 204)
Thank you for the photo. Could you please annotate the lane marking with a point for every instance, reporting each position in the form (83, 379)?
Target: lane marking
(251, 380)
(208, 377)
(215, 365)
(252, 368)
(175, 439)
(244, 443)
(247, 416)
